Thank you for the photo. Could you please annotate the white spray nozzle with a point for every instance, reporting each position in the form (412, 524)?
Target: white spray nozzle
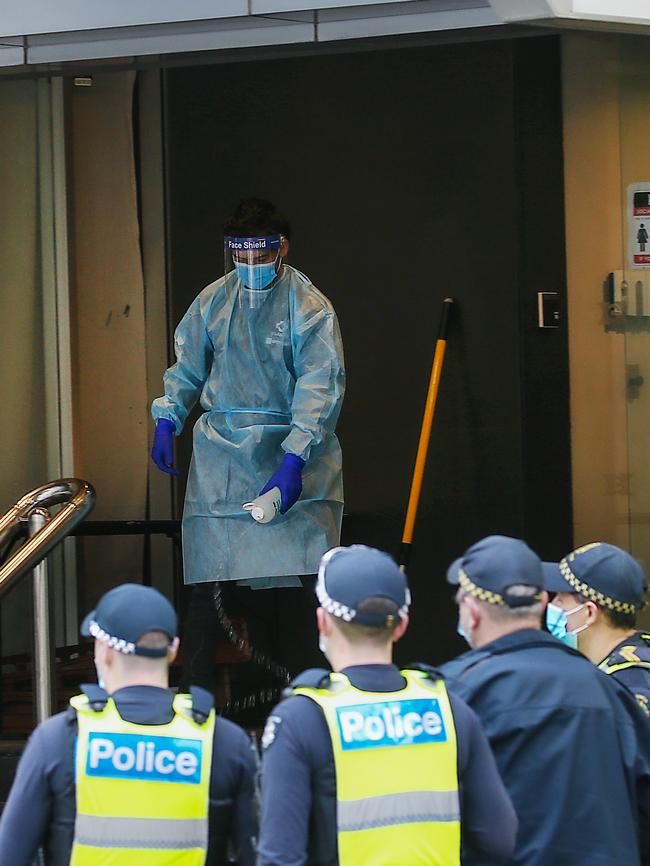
(266, 507)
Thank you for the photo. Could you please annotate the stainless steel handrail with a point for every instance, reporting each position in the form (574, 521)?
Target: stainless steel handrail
(78, 497)
(45, 532)
(42, 632)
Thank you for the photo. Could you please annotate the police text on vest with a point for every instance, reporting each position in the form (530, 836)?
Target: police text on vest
(391, 723)
(136, 756)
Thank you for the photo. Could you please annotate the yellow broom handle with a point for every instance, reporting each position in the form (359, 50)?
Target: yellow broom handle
(425, 434)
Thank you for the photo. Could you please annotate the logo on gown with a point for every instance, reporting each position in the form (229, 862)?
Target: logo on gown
(277, 337)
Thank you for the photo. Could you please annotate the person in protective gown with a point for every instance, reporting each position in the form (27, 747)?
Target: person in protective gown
(261, 350)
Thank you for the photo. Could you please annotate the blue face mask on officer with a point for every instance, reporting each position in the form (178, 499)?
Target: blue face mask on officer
(557, 621)
(461, 631)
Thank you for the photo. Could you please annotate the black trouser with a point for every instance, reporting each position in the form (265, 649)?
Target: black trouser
(281, 623)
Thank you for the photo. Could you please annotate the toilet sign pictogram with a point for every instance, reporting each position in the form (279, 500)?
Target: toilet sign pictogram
(638, 224)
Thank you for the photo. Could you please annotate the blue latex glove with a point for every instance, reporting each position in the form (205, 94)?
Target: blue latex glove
(289, 479)
(162, 451)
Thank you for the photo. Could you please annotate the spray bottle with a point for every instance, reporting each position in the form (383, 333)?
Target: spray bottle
(266, 507)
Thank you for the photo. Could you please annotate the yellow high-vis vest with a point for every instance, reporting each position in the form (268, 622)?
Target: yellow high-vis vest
(396, 772)
(142, 790)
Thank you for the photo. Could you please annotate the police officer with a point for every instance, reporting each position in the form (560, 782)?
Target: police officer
(600, 590)
(571, 744)
(130, 774)
(371, 764)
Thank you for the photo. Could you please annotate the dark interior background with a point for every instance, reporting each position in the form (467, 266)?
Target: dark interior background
(408, 175)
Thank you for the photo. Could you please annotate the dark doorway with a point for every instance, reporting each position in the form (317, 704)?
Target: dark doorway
(408, 175)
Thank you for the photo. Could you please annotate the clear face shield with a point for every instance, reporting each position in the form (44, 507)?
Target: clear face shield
(256, 263)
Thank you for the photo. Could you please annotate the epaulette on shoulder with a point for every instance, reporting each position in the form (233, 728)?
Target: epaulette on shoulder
(631, 655)
(97, 696)
(432, 672)
(202, 704)
(312, 678)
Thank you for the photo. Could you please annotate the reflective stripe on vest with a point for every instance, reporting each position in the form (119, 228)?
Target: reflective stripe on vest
(396, 772)
(142, 790)
(411, 807)
(629, 656)
(172, 833)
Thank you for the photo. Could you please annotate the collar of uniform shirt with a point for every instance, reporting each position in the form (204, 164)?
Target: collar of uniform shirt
(147, 705)
(375, 678)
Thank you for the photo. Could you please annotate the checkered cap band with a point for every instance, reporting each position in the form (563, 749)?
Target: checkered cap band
(475, 591)
(468, 586)
(587, 591)
(115, 643)
(342, 611)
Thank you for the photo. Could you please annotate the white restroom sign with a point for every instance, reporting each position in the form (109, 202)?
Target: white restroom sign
(638, 223)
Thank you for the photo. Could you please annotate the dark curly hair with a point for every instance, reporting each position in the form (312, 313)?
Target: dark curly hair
(256, 217)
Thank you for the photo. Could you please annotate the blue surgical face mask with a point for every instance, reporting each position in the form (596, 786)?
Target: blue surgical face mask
(257, 277)
(557, 620)
(461, 631)
(100, 681)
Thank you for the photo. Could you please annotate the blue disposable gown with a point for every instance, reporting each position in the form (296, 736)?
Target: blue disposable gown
(270, 380)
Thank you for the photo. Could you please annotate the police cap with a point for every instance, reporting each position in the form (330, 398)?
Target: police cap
(349, 576)
(490, 567)
(127, 612)
(602, 573)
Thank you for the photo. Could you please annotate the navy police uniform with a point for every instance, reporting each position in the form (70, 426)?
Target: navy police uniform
(298, 823)
(629, 663)
(41, 808)
(42, 804)
(571, 744)
(570, 747)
